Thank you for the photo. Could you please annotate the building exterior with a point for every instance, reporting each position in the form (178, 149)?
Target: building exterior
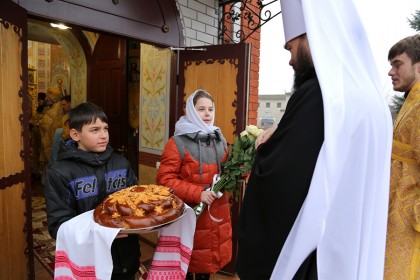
(271, 108)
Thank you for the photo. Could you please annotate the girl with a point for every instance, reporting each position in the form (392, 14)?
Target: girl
(190, 160)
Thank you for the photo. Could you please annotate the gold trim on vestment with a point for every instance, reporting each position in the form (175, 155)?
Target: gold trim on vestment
(407, 105)
(403, 152)
(416, 259)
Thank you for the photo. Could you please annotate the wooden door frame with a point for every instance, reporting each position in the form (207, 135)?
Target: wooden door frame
(211, 54)
(15, 18)
(158, 20)
(123, 93)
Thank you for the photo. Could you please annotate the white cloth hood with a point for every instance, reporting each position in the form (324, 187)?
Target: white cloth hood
(192, 122)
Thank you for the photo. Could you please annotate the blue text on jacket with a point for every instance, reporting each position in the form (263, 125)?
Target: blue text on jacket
(84, 187)
(116, 180)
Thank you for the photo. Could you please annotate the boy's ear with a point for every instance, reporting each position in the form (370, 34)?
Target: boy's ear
(417, 65)
(74, 134)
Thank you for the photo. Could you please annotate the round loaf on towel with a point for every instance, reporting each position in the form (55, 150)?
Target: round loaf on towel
(139, 207)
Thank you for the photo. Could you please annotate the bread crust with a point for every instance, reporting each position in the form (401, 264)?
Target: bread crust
(139, 207)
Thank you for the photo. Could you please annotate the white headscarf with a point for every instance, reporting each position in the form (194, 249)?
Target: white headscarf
(192, 122)
(345, 212)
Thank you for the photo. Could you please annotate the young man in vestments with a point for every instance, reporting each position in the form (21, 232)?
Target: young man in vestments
(315, 206)
(403, 236)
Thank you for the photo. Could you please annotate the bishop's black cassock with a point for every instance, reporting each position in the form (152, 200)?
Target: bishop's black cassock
(278, 185)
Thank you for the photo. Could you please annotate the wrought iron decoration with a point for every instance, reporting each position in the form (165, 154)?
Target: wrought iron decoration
(249, 15)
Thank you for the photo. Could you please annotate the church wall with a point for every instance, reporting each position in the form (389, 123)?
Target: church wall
(200, 22)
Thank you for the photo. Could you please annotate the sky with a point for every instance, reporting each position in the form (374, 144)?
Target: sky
(385, 23)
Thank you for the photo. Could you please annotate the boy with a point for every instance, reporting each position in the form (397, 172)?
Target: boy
(85, 173)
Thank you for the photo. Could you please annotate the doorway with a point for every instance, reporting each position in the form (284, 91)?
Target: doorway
(93, 68)
(157, 22)
(84, 65)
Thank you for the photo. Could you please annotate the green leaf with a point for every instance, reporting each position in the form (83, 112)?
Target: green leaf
(240, 160)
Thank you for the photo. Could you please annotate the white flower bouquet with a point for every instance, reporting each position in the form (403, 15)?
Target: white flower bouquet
(239, 163)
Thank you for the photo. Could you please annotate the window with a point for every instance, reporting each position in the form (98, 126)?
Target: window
(278, 105)
(267, 122)
(258, 104)
(267, 105)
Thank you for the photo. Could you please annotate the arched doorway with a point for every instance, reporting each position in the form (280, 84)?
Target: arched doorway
(41, 31)
(73, 56)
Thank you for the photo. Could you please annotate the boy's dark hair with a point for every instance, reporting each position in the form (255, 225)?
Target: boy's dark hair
(85, 113)
(409, 45)
(66, 98)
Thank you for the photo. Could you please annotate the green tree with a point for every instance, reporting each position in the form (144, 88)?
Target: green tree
(415, 21)
(396, 104)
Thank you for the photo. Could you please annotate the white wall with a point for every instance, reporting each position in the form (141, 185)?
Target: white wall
(200, 21)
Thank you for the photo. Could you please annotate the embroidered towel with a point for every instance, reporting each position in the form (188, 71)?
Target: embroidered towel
(83, 249)
(174, 248)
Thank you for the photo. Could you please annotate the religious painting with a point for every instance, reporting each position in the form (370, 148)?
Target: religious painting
(58, 87)
(154, 98)
(31, 75)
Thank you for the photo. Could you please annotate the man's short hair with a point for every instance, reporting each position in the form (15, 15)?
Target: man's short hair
(66, 98)
(85, 113)
(42, 95)
(409, 45)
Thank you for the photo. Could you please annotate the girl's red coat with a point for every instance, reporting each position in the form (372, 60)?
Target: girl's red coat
(212, 240)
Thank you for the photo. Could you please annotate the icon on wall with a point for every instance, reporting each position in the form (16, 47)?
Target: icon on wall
(31, 76)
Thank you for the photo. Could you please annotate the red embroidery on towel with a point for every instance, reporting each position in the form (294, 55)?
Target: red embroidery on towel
(170, 269)
(172, 244)
(63, 262)
(162, 270)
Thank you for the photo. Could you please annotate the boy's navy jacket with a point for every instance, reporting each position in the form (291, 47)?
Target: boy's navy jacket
(78, 182)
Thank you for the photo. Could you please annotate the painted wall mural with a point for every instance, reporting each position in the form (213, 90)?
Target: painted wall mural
(154, 98)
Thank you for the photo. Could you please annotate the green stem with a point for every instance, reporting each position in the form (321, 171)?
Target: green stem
(220, 184)
(196, 207)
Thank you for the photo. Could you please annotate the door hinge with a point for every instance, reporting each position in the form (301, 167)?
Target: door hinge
(188, 49)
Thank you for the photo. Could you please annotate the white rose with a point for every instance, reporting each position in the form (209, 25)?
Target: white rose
(253, 130)
(243, 133)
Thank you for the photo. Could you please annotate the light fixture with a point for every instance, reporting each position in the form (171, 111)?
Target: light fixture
(60, 26)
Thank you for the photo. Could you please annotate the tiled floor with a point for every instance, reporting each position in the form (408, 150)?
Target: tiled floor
(40, 272)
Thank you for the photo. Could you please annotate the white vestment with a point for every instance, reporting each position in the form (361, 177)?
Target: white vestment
(345, 212)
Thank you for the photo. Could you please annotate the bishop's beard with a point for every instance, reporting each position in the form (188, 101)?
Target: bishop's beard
(304, 68)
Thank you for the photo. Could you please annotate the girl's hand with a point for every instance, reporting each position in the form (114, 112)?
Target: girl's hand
(208, 197)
